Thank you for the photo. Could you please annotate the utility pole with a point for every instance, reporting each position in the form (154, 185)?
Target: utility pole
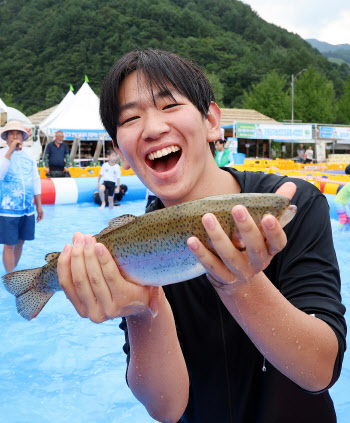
(292, 83)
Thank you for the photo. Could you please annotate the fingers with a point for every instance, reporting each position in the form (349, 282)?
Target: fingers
(288, 190)
(109, 269)
(92, 282)
(233, 265)
(66, 281)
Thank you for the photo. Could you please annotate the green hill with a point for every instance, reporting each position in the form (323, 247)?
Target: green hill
(46, 45)
(341, 52)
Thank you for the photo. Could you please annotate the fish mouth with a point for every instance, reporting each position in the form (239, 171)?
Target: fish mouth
(164, 159)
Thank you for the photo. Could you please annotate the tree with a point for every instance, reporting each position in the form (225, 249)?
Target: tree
(218, 88)
(314, 98)
(344, 105)
(269, 97)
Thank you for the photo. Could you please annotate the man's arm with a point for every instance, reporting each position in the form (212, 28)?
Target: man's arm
(157, 372)
(300, 346)
(39, 208)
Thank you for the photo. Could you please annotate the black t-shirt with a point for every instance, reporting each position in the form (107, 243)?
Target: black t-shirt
(227, 383)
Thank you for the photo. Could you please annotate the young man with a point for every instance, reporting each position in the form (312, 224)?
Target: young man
(57, 158)
(264, 330)
(111, 173)
(19, 185)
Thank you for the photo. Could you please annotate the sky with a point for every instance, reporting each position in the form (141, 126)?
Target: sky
(323, 20)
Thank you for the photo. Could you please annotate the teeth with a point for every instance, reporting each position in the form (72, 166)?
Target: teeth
(163, 152)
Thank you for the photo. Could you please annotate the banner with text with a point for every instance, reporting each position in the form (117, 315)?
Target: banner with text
(82, 134)
(334, 132)
(265, 131)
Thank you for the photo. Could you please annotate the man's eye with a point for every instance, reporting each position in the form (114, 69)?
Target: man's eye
(170, 106)
(128, 120)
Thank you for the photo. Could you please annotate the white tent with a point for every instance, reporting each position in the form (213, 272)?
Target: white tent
(79, 117)
(63, 105)
(14, 114)
(34, 148)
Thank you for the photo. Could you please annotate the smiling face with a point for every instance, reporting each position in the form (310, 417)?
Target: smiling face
(165, 140)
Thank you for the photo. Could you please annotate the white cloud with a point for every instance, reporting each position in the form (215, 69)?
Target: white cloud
(308, 18)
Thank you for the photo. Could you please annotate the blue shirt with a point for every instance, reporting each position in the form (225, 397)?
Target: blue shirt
(56, 154)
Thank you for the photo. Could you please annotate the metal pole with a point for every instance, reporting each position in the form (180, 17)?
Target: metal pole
(291, 149)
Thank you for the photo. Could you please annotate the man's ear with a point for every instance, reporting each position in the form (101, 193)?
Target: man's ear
(213, 122)
(125, 164)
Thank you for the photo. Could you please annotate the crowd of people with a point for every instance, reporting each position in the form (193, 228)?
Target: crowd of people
(260, 335)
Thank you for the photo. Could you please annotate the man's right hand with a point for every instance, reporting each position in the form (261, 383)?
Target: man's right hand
(92, 281)
(47, 170)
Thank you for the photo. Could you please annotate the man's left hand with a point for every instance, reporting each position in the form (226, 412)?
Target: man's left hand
(236, 265)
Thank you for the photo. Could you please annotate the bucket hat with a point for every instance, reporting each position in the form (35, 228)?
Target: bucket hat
(14, 125)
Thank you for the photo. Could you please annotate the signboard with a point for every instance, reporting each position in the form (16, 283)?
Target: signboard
(267, 131)
(246, 130)
(83, 134)
(320, 151)
(233, 144)
(335, 132)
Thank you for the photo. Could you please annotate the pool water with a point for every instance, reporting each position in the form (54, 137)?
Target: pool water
(61, 368)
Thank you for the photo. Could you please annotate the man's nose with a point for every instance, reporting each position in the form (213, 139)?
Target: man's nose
(154, 125)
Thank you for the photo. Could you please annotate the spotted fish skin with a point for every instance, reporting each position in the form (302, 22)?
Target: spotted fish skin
(151, 249)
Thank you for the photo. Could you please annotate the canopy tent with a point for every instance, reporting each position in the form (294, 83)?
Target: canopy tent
(13, 114)
(57, 111)
(78, 118)
(10, 113)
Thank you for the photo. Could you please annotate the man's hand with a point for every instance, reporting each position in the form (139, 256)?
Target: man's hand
(237, 263)
(91, 280)
(40, 212)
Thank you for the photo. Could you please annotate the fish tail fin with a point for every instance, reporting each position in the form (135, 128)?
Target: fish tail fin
(29, 299)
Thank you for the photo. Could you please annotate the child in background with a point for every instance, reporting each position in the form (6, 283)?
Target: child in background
(341, 205)
(111, 173)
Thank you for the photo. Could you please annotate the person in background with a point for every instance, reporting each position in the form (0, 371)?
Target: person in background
(341, 205)
(222, 155)
(150, 197)
(301, 153)
(111, 173)
(259, 336)
(57, 158)
(309, 155)
(19, 185)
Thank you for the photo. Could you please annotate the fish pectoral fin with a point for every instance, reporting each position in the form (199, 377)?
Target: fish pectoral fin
(118, 222)
(288, 215)
(51, 256)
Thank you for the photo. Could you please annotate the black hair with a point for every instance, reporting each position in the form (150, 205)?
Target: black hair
(160, 69)
(220, 141)
(111, 151)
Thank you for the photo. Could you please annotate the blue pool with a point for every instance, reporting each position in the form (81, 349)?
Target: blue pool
(61, 368)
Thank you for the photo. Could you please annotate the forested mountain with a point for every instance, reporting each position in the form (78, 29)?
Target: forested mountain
(331, 51)
(46, 45)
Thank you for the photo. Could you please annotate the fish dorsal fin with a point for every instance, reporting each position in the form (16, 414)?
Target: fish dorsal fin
(51, 256)
(118, 222)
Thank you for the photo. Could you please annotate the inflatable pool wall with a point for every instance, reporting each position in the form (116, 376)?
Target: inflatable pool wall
(80, 190)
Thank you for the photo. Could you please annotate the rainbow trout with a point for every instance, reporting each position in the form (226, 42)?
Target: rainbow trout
(150, 249)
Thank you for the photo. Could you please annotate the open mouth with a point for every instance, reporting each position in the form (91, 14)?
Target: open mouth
(165, 159)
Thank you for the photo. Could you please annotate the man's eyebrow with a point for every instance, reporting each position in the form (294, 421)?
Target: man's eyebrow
(158, 95)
